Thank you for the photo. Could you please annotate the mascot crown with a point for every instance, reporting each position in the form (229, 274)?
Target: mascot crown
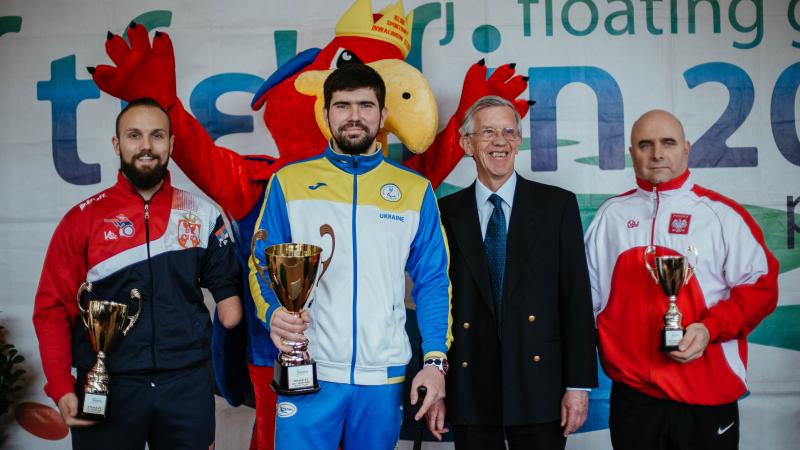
(390, 24)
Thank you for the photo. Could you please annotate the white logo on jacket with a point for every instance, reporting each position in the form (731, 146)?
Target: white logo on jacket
(391, 192)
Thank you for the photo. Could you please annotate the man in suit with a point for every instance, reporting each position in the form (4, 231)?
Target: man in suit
(523, 353)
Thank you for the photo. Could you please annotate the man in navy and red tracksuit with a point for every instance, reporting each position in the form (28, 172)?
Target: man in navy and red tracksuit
(141, 233)
(685, 398)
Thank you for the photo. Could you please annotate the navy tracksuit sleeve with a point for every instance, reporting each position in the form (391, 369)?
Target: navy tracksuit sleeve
(219, 269)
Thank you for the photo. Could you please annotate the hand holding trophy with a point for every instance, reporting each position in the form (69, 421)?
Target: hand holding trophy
(671, 272)
(292, 270)
(106, 321)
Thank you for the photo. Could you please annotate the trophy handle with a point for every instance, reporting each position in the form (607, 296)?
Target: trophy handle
(650, 250)
(259, 235)
(688, 274)
(85, 287)
(323, 230)
(135, 295)
(690, 267)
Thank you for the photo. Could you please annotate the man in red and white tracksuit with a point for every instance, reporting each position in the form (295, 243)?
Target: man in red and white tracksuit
(685, 398)
(143, 234)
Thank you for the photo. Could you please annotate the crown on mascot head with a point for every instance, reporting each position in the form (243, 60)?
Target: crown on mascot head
(392, 25)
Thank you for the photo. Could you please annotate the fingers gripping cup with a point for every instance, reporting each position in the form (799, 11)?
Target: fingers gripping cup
(292, 269)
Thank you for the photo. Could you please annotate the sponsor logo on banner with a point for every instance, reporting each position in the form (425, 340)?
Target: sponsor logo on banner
(679, 223)
(189, 231)
(391, 192)
(286, 409)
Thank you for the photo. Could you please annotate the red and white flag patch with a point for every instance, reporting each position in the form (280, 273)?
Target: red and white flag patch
(679, 223)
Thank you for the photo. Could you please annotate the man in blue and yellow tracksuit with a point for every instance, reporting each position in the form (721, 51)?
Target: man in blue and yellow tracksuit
(386, 223)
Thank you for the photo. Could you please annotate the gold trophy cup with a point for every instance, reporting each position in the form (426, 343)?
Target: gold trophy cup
(106, 321)
(672, 273)
(292, 270)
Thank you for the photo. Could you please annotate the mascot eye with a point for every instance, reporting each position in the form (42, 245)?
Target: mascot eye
(344, 57)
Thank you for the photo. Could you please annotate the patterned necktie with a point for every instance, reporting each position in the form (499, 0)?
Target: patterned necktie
(494, 245)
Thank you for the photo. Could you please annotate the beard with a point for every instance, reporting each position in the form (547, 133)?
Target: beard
(144, 178)
(354, 146)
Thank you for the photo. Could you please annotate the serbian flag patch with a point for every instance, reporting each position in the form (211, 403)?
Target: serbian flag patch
(679, 223)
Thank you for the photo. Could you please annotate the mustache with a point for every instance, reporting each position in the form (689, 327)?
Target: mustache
(147, 153)
(353, 124)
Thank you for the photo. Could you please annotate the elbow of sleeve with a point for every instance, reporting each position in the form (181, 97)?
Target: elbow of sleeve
(230, 318)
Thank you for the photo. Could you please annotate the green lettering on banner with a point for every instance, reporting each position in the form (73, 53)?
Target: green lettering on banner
(692, 7)
(673, 16)
(423, 15)
(793, 20)
(651, 27)
(285, 46)
(566, 22)
(627, 13)
(10, 24)
(486, 38)
(526, 15)
(757, 25)
(151, 20)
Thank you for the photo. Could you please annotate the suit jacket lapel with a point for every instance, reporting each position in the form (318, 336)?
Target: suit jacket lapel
(526, 218)
(467, 233)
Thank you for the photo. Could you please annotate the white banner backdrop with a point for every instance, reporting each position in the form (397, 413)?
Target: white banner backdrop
(728, 68)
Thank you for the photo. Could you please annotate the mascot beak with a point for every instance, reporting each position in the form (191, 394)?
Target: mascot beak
(413, 116)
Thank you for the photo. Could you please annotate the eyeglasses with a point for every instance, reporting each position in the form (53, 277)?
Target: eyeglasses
(489, 134)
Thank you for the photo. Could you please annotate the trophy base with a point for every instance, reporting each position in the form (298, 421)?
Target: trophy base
(92, 407)
(295, 380)
(670, 339)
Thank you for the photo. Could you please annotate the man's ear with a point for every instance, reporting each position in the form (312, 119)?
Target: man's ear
(688, 147)
(384, 115)
(466, 144)
(115, 144)
(171, 144)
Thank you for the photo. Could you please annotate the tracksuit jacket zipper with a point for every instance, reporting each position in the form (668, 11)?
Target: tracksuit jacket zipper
(152, 284)
(355, 271)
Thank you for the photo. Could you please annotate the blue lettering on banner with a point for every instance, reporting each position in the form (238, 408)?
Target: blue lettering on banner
(203, 103)
(545, 84)
(65, 92)
(782, 114)
(710, 149)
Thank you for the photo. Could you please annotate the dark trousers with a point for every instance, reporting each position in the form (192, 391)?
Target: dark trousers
(169, 410)
(638, 421)
(545, 436)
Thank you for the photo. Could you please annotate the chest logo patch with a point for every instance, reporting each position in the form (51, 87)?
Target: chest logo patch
(391, 192)
(679, 223)
(189, 231)
(124, 227)
(633, 223)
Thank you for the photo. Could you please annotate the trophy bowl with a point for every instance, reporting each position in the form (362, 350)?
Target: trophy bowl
(292, 270)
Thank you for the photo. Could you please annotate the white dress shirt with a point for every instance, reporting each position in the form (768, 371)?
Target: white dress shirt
(486, 208)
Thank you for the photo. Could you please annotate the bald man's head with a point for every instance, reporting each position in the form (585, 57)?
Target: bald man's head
(659, 149)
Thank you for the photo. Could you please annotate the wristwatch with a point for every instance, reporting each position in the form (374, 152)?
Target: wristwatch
(439, 363)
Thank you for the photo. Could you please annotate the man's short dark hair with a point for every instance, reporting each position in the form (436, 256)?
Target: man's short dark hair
(144, 101)
(351, 77)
